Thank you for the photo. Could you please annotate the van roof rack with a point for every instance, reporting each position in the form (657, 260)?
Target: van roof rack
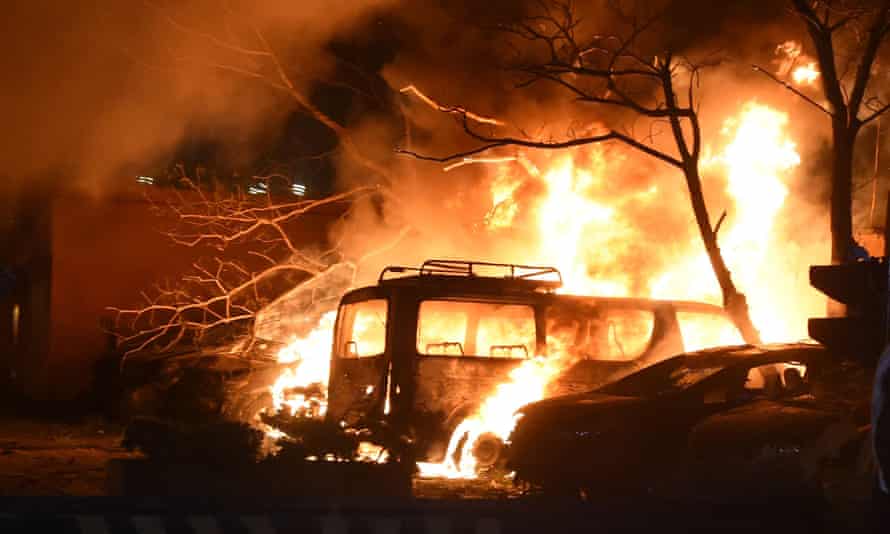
(532, 275)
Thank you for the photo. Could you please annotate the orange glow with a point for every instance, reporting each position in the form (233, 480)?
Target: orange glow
(312, 356)
(805, 74)
(584, 229)
(584, 225)
(579, 211)
(792, 61)
(496, 416)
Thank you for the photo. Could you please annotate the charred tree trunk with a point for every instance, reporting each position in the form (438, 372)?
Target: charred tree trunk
(844, 105)
(734, 302)
(844, 139)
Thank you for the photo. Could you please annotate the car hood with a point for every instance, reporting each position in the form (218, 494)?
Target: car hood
(558, 410)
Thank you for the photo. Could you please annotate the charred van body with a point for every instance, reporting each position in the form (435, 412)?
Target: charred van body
(424, 347)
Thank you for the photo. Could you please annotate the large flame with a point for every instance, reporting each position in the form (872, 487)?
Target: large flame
(584, 226)
(576, 211)
(528, 383)
(312, 355)
(764, 264)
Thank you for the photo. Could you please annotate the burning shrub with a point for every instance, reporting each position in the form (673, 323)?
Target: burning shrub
(306, 437)
(311, 439)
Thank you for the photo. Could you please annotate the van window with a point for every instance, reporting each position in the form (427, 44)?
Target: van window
(701, 330)
(362, 329)
(615, 334)
(486, 329)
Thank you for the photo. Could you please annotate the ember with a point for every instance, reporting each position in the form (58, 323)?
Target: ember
(802, 68)
(805, 74)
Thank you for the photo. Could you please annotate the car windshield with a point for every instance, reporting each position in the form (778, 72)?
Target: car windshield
(670, 376)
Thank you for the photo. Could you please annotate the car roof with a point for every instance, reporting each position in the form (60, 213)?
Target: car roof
(453, 287)
(755, 354)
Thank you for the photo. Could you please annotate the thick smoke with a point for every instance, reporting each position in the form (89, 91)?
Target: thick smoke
(457, 58)
(94, 86)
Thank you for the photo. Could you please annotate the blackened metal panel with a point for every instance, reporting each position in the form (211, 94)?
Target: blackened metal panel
(449, 389)
(587, 375)
(356, 388)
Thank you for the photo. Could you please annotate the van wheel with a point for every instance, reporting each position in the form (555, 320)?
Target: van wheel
(488, 451)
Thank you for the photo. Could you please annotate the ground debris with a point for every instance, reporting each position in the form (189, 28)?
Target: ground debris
(307, 437)
(217, 443)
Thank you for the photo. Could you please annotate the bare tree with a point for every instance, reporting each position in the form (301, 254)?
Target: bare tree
(250, 55)
(222, 293)
(610, 71)
(846, 69)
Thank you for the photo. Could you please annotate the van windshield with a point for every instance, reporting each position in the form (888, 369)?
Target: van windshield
(361, 330)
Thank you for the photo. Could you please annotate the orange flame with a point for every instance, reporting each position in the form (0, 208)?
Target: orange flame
(585, 238)
(790, 54)
(496, 416)
(581, 219)
(313, 357)
(764, 266)
(805, 74)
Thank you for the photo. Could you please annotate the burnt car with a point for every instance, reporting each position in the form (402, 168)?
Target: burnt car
(230, 376)
(197, 385)
(746, 419)
(425, 346)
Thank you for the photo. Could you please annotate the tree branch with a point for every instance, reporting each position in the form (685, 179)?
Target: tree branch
(876, 34)
(877, 113)
(793, 89)
(496, 142)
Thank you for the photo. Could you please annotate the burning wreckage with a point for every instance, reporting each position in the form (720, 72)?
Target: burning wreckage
(770, 420)
(424, 370)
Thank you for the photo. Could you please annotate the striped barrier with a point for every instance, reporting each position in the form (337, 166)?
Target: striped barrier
(234, 524)
(245, 516)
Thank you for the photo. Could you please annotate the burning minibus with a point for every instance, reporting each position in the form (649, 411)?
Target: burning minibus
(426, 346)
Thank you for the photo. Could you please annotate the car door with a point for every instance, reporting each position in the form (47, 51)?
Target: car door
(754, 441)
